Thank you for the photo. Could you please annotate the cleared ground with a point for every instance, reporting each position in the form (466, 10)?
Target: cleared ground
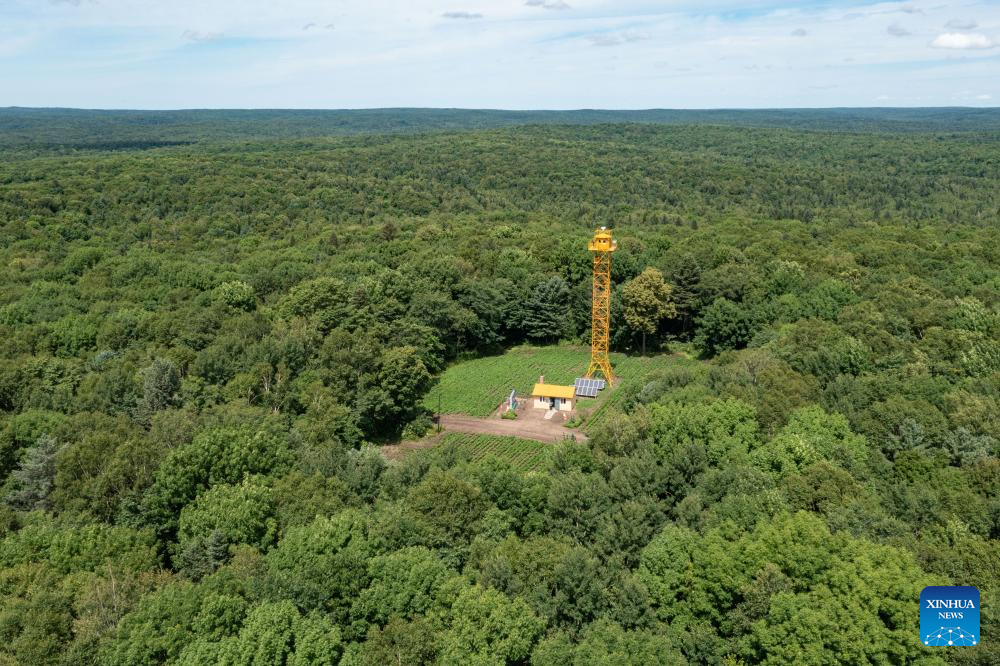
(536, 429)
(471, 394)
(523, 455)
(477, 387)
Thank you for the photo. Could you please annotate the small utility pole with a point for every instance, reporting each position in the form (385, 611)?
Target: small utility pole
(439, 409)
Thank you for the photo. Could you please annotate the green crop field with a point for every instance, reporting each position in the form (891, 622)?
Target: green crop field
(478, 387)
(522, 454)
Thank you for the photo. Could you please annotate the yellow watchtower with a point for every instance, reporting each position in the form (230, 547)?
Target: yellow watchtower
(602, 245)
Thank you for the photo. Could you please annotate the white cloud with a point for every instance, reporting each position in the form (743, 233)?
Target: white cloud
(462, 15)
(799, 32)
(604, 40)
(548, 4)
(12, 46)
(614, 39)
(959, 24)
(197, 36)
(962, 40)
(984, 98)
(897, 30)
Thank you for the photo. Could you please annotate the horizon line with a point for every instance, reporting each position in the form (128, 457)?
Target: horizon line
(15, 107)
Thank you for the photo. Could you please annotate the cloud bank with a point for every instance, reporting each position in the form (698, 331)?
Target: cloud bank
(497, 53)
(962, 40)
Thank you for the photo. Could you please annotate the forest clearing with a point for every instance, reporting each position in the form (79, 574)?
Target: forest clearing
(478, 387)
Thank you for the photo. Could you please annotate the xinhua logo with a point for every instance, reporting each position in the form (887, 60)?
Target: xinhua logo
(949, 616)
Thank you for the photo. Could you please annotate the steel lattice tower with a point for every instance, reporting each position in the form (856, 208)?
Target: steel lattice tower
(602, 246)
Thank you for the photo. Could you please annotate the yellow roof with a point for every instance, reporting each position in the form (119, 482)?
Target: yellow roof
(553, 391)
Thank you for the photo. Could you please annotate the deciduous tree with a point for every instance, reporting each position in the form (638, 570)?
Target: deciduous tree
(648, 300)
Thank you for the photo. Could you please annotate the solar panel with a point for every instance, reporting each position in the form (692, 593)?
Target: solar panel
(587, 387)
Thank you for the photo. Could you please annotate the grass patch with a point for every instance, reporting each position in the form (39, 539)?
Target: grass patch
(669, 375)
(477, 387)
(522, 454)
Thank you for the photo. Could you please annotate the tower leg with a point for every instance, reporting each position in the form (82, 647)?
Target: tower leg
(600, 331)
(601, 366)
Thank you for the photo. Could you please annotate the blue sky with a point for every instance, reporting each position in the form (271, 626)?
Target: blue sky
(514, 54)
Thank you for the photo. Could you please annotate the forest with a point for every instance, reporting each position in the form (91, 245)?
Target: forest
(71, 130)
(206, 335)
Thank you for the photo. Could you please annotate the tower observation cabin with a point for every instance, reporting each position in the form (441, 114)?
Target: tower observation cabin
(602, 241)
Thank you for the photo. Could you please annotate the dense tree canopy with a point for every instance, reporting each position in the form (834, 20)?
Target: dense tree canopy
(202, 346)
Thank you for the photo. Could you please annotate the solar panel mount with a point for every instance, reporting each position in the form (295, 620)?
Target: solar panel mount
(587, 387)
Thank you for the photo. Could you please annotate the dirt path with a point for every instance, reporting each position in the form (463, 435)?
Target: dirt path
(540, 431)
(547, 432)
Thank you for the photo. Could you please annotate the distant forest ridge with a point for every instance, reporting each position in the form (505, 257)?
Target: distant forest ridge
(128, 130)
